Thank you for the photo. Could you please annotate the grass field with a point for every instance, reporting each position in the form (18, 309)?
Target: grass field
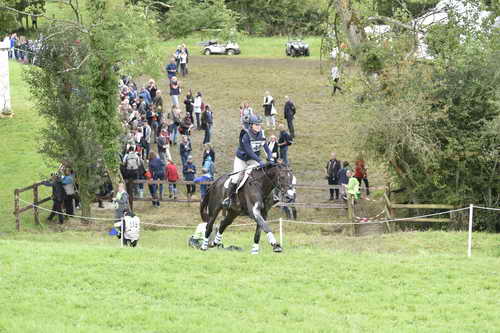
(416, 282)
(76, 278)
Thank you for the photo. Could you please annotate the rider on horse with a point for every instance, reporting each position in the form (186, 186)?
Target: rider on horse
(247, 155)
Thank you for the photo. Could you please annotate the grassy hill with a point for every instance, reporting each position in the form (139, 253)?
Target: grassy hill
(77, 282)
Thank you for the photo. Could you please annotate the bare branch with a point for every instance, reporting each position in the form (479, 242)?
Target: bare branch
(392, 21)
(146, 9)
(76, 24)
(77, 67)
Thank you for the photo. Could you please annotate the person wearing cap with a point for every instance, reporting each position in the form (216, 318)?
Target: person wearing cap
(247, 156)
(189, 171)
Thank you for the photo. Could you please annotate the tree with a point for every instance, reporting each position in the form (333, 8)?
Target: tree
(435, 124)
(75, 87)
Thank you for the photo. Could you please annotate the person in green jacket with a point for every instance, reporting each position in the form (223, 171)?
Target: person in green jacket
(353, 186)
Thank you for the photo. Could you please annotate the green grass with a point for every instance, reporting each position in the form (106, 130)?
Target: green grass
(21, 164)
(251, 47)
(81, 282)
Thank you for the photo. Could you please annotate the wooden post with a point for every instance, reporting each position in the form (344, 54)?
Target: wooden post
(16, 209)
(349, 207)
(35, 204)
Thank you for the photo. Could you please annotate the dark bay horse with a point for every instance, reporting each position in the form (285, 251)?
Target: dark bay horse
(252, 200)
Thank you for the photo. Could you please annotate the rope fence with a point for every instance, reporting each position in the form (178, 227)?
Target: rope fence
(361, 221)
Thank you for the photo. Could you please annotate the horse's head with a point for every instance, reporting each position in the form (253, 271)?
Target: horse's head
(283, 178)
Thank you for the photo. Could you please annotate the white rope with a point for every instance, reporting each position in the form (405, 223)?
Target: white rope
(487, 208)
(374, 222)
(61, 213)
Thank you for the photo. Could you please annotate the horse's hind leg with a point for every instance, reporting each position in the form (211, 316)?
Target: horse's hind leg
(228, 219)
(208, 231)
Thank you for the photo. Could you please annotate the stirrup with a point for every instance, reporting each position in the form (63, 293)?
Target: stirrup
(226, 203)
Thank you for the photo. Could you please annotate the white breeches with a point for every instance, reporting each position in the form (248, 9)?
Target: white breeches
(240, 165)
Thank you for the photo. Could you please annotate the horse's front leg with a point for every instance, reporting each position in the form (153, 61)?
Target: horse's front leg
(256, 239)
(261, 222)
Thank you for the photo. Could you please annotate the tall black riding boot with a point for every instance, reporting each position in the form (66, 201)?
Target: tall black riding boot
(229, 195)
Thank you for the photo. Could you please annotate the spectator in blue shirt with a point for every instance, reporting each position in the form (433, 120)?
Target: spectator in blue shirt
(203, 187)
(209, 165)
(171, 69)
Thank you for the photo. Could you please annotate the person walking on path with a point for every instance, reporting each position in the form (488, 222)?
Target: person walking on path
(189, 103)
(284, 142)
(171, 69)
(335, 79)
(289, 114)
(332, 168)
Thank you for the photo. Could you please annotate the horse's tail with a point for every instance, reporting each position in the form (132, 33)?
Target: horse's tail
(204, 207)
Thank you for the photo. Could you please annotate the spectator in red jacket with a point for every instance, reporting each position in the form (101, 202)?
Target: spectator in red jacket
(361, 174)
(172, 177)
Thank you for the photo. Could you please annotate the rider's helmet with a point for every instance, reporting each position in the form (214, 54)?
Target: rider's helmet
(254, 119)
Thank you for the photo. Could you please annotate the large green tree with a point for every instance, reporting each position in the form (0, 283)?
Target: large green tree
(75, 86)
(436, 123)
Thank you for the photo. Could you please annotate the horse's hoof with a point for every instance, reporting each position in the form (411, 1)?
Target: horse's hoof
(254, 252)
(219, 246)
(277, 248)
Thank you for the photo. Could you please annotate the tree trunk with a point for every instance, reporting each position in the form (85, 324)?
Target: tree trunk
(352, 25)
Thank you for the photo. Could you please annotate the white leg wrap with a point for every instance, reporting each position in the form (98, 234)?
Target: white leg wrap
(271, 238)
(255, 249)
(218, 238)
(204, 245)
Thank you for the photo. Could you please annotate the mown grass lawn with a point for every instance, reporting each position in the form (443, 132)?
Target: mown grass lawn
(81, 282)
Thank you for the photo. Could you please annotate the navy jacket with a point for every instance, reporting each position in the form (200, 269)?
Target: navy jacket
(289, 112)
(58, 193)
(286, 139)
(189, 175)
(157, 167)
(250, 145)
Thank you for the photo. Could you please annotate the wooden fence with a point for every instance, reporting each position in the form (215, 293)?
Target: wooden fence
(18, 210)
(36, 202)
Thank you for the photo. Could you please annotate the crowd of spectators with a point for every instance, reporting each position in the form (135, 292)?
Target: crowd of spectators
(349, 180)
(22, 49)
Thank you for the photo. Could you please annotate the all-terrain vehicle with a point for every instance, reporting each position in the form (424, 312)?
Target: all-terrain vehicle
(296, 48)
(214, 47)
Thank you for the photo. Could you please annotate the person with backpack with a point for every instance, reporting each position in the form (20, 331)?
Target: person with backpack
(207, 121)
(172, 177)
(132, 163)
(284, 142)
(289, 114)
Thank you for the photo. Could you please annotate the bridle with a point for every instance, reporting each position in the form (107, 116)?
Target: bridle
(276, 183)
